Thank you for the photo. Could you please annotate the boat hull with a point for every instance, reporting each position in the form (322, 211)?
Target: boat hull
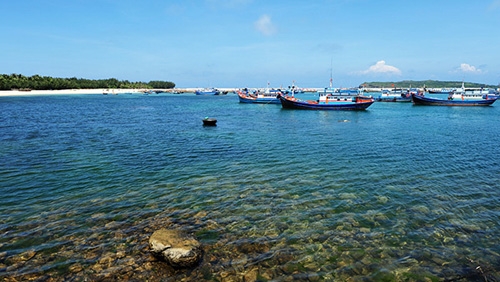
(207, 92)
(429, 101)
(251, 100)
(291, 103)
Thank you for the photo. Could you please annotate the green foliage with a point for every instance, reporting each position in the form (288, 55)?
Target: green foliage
(161, 84)
(37, 82)
(425, 83)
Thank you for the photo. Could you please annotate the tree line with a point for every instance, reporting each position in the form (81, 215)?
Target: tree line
(37, 82)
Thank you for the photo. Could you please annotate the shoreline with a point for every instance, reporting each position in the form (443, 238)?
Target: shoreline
(69, 92)
(116, 91)
(99, 91)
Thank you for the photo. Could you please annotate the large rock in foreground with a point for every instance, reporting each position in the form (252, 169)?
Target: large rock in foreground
(175, 247)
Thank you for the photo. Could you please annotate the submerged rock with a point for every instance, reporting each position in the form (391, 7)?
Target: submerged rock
(175, 247)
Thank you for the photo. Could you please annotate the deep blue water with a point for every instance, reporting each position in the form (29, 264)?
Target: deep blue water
(395, 192)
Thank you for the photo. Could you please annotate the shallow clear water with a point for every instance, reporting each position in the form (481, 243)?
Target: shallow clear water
(397, 192)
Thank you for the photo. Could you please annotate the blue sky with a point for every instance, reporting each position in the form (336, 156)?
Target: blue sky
(248, 43)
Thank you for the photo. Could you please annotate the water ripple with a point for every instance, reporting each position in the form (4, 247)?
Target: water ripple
(396, 191)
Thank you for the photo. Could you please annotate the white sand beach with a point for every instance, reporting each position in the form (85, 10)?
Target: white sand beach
(70, 91)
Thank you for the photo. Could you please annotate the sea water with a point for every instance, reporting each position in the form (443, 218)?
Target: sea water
(396, 192)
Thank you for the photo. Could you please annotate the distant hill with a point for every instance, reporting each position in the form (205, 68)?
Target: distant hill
(426, 83)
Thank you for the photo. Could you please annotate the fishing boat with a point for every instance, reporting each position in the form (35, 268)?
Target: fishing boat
(330, 98)
(472, 92)
(259, 97)
(455, 99)
(330, 90)
(394, 95)
(328, 101)
(293, 89)
(207, 91)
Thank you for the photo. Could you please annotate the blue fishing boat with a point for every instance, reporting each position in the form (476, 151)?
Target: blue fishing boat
(207, 91)
(328, 101)
(455, 99)
(270, 96)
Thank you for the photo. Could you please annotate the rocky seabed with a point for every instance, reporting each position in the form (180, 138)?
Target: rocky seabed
(347, 253)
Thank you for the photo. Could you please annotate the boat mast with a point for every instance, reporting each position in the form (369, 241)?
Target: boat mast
(331, 73)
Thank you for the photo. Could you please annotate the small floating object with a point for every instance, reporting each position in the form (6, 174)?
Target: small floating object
(209, 121)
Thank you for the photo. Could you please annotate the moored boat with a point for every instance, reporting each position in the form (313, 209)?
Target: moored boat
(259, 97)
(395, 95)
(293, 89)
(455, 99)
(398, 94)
(328, 101)
(207, 91)
(330, 98)
(472, 92)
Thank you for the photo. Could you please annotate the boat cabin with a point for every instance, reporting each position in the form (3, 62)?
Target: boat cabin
(466, 96)
(325, 98)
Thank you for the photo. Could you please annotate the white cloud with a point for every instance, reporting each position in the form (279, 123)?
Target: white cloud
(381, 67)
(468, 68)
(265, 26)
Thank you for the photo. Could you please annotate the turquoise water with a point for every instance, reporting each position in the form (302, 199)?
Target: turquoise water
(397, 192)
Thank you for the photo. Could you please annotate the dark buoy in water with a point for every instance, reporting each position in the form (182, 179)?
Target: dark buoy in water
(209, 121)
